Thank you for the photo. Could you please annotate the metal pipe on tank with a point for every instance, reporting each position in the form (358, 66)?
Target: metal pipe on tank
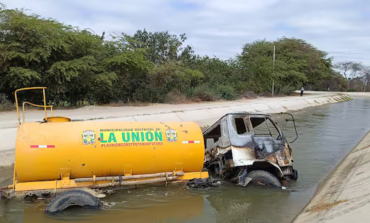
(132, 183)
(80, 180)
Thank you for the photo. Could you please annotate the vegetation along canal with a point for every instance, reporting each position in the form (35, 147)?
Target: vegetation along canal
(327, 134)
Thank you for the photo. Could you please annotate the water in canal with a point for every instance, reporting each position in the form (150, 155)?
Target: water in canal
(327, 134)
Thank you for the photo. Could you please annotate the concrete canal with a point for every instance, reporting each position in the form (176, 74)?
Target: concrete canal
(327, 134)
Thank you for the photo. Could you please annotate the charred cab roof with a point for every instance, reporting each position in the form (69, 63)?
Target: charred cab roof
(232, 114)
(243, 113)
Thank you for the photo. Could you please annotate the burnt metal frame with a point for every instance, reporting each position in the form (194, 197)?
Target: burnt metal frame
(295, 127)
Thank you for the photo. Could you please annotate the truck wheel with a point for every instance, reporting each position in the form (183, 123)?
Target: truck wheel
(73, 198)
(263, 178)
(295, 174)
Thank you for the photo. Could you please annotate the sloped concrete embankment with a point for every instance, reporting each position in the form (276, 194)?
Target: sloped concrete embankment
(205, 114)
(344, 196)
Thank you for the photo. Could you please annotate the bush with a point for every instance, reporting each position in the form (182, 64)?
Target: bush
(203, 93)
(286, 90)
(249, 94)
(80, 68)
(5, 104)
(226, 92)
(67, 104)
(176, 97)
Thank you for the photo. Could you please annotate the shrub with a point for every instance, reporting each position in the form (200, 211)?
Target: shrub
(203, 92)
(176, 97)
(249, 94)
(5, 104)
(226, 92)
(286, 90)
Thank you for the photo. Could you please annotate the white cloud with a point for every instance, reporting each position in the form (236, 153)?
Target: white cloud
(221, 28)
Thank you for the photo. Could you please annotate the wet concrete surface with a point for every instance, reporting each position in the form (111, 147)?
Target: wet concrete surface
(327, 134)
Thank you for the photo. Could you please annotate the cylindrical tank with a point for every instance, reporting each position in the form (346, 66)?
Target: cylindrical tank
(46, 150)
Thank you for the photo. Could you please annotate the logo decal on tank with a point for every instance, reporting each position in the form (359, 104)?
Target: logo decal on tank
(171, 135)
(130, 137)
(88, 137)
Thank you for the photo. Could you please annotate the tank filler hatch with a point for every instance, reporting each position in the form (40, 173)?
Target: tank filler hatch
(46, 119)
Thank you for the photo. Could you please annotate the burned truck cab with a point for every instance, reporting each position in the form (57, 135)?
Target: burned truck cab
(248, 148)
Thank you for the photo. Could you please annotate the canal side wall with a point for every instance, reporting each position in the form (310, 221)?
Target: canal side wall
(205, 114)
(344, 196)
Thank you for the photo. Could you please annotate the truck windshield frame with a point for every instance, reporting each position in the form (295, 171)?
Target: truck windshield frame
(263, 122)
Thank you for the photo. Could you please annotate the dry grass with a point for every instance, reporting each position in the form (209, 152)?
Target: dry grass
(7, 107)
(249, 95)
(175, 97)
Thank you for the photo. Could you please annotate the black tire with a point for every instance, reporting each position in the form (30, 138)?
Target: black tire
(295, 174)
(73, 198)
(263, 178)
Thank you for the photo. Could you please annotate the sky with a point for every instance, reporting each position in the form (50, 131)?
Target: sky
(221, 28)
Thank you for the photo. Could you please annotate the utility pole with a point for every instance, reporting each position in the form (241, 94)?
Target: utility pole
(273, 73)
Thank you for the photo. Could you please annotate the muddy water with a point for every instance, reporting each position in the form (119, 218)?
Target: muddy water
(327, 134)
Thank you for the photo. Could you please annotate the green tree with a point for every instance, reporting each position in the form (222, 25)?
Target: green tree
(74, 64)
(36, 51)
(167, 78)
(219, 73)
(170, 70)
(78, 66)
(130, 67)
(297, 63)
(161, 47)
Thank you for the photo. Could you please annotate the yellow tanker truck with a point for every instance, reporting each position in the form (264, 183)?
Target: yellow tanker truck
(75, 163)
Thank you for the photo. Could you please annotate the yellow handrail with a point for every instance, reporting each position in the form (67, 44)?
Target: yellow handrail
(39, 106)
(30, 88)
